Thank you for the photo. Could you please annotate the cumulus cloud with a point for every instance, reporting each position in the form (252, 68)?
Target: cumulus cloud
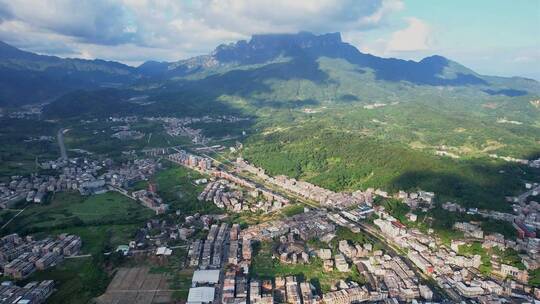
(91, 21)
(171, 29)
(415, 37)
(414, 40)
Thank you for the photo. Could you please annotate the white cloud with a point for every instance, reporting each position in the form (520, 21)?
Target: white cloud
(414, 41)
(167, 29)
(415, 37)
(387, 7)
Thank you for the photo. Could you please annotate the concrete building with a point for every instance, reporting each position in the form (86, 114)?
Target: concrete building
(201, 295)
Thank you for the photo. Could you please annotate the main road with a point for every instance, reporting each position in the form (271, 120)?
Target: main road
(61, 144)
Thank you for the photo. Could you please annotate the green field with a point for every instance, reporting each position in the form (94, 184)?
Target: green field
(180, 280)
(96, 138)
(72, 210)
(264, 266)
(18, 157)
(77, 281)
(102, 238)
(176, 187)
(102, 221)
(6, 215)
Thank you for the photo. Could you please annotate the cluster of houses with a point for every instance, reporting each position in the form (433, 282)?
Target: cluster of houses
(181, 126)
(131, 172)
(123, 119)
(525, 220)
(387, 274)
(128, 134)
(533, 163)
(208, 254)
(308, 225)
(76, 174)
(223, 196)
(160, 236)
(307, 190)
(419, 199)
(202, 164)
(31, 293)
(28, 111)
(34, 188)
(457, 274)
(223, 261)
(223, 246)
(228, 281)
(20, 257)
(150, 199)
(230, 196)
(290, 290)
(291, 250)
(470, 230)
(267, 194)
(387, 277)
(219, 189)
(526, 208)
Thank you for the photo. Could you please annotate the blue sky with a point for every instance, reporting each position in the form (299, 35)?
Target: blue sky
(491, 37)
(494, 37)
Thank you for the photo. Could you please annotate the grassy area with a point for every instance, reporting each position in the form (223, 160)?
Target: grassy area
(246, 218)
(181, 277)
(102, 221)
(17, 156)
(292, 210)
(534, 278)
(476, 249)
(96, 137)
(343, 233)
(77, 281)
(176, 187)
(68, 209)
(264, 266)
(103, 238)
(508, 256)
(181, 281)
(6, 215)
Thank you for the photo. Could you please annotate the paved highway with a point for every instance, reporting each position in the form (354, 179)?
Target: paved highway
(61, 144)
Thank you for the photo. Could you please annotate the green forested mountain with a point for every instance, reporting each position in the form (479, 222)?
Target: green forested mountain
(30, 78)
(299, 68)
(324, 112)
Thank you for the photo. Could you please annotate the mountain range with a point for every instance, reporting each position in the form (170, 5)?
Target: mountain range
(315, 109)
(247, 68)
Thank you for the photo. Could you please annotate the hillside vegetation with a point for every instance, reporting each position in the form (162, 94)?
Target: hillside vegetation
(325, 112)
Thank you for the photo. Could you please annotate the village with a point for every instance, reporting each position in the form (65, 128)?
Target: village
(393, 278)
(20, 257)
(180, 126)
(411, 265)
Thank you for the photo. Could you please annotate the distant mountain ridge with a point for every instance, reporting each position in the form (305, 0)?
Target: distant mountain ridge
(27, 77)
(261, 49)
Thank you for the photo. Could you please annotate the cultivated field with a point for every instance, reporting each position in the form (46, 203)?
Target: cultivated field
(137, 286)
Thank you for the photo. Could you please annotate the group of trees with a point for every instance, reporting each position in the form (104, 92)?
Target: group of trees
(338, 161)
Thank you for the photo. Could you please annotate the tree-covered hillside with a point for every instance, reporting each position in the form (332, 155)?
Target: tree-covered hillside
(325, 112)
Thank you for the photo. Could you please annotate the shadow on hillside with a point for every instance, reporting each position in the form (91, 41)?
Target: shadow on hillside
(254, 81)
(481, 184)
(286, 104)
